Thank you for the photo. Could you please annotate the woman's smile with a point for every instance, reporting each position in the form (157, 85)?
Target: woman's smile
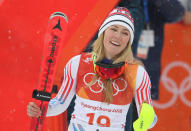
(114, 43)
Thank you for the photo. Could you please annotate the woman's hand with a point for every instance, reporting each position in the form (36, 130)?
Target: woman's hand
(145, 119)
(33, 110)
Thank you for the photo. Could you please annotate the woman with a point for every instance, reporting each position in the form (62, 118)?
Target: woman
(104, 82)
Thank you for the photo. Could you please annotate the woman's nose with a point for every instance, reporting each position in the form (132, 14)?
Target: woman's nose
(117, 34)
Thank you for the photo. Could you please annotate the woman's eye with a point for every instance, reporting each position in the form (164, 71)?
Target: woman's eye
(113, 29)
(125, 33)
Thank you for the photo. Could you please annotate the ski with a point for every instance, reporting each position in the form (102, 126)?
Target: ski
(53, 44)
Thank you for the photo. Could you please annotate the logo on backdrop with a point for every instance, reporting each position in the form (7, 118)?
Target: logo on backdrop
(100, 83)
(171, 86)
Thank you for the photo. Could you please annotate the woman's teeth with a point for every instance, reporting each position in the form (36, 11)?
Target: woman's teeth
(115, 43)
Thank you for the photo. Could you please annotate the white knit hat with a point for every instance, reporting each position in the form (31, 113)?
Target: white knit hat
(119, 16)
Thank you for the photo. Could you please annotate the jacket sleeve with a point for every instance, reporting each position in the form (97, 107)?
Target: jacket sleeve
(68, 88)
(142, 90)
(170, 10)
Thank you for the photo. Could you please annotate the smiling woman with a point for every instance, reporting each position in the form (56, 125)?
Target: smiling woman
(104, 82)
(115, 40)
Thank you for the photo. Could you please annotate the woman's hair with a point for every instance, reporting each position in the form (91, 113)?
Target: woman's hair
(125, 55)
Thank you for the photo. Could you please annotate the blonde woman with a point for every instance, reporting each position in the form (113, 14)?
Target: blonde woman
(105, 82)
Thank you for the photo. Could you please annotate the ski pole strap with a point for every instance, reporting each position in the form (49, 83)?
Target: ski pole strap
(42, 95)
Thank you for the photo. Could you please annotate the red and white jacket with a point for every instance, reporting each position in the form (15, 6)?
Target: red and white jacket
(90, 112)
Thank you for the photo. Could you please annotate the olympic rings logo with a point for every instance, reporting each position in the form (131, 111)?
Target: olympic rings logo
(172, 86)
(114, 84)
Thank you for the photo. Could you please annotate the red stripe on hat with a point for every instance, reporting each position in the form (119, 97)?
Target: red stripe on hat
(130, 18)
(122, 9)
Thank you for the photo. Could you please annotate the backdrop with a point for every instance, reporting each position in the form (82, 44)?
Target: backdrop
(173, 108)
(22, 27)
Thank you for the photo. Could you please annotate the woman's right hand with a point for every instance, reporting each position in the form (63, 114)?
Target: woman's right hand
(33, 110)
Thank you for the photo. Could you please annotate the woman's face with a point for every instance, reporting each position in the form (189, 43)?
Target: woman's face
(116, 38)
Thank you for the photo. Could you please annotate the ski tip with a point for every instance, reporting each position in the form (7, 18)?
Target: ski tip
(60, 14)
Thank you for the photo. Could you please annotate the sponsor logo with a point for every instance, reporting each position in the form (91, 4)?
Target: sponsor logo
(100, 83)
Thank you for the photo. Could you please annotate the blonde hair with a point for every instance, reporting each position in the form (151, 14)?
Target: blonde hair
(125, 55)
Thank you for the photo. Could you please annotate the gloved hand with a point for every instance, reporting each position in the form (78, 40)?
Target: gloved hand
(145, 119)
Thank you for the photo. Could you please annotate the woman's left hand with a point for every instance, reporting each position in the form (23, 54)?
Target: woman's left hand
(145, 119)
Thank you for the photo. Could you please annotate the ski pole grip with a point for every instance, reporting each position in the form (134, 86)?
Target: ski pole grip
(41, 95)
